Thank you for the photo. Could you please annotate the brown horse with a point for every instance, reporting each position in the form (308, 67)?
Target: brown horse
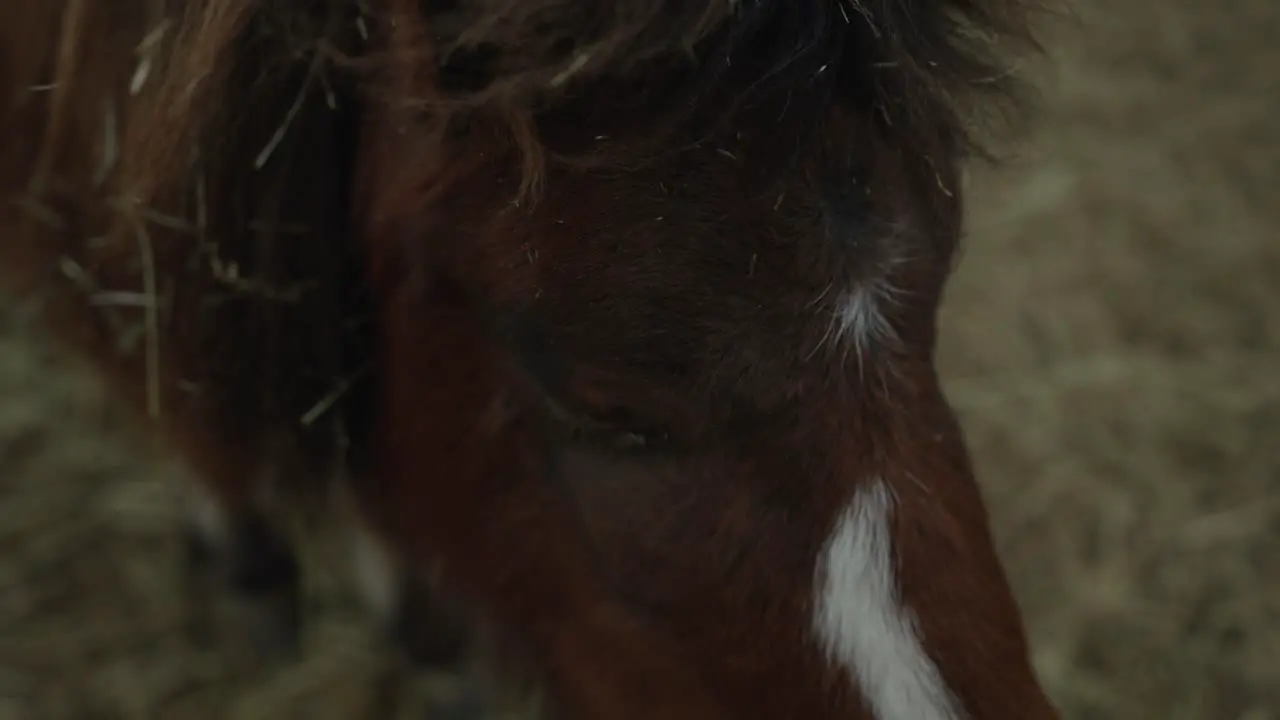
(617, 320)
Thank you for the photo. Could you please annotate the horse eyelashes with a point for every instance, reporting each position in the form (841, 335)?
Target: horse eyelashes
(615, 428)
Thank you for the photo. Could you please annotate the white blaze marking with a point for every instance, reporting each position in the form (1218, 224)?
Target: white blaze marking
(860, 623)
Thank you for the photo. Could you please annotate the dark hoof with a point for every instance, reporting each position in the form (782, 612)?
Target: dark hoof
(254, 575)
(466, 694)
(427, 631)
(470, 706)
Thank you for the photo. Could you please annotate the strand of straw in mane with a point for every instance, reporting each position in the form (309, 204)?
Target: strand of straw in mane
(61, 93)
(169, 118)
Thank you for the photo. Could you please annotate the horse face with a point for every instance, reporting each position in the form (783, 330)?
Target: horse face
(689, 369)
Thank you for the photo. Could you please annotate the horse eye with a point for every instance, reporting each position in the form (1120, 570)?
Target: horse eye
(621, 440)
(616, 428)
(619, 429)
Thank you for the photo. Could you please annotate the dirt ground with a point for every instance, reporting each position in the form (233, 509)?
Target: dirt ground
(1111, 341)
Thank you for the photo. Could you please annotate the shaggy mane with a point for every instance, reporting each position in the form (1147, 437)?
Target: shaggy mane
(924, 66)
(519, 53)
(921, 66)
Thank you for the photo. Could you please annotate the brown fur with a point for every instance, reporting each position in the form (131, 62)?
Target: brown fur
(563, 269)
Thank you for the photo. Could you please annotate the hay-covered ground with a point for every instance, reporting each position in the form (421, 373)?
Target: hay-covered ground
(1112, 341)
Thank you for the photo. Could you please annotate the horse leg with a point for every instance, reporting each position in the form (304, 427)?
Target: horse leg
(425, 628)
(430, 630)
(233, 552)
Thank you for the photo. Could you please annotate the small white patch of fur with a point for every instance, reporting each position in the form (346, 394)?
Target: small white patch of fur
(376, 576)
(859, 319)
(860, 624)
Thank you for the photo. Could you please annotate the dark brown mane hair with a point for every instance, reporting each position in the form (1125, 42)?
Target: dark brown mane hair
(909, 55)
(925, 66)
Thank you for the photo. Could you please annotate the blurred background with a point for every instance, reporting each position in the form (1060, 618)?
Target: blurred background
(1112, 342)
